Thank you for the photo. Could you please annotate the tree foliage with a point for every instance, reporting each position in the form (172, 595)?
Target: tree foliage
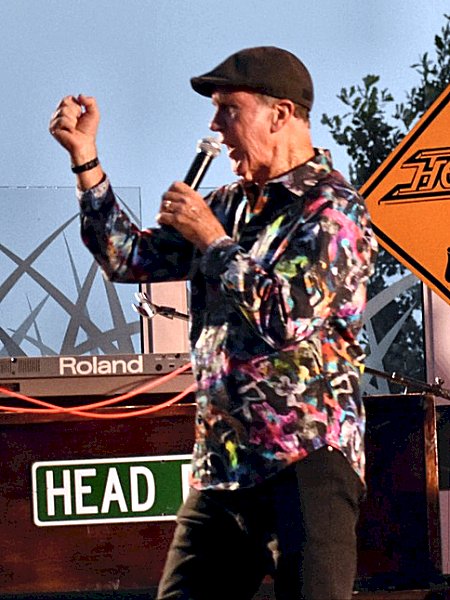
(370, 128)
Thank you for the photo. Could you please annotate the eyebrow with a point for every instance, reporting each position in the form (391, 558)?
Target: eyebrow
(223, 99)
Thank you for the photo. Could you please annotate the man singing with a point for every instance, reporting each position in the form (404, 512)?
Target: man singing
(278, 263)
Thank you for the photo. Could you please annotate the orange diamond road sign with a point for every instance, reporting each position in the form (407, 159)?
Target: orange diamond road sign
(408, 198)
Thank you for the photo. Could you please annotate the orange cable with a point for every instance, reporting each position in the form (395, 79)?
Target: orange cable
(82, 410)
(82, 413)
(142, 411)
(138, 390)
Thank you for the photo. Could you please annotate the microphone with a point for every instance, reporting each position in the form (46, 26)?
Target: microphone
(207, 149)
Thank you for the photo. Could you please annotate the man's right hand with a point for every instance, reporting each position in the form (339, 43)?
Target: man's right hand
(74, 125)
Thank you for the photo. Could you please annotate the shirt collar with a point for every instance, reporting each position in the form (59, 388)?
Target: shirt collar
(300, 179)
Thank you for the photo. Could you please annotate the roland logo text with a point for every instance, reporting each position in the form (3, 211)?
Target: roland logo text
(97, 365)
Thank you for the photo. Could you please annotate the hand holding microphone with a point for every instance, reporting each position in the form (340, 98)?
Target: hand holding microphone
(184, 209)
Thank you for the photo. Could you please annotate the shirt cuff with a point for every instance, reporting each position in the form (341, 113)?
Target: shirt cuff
(217, 256)
(94, 197)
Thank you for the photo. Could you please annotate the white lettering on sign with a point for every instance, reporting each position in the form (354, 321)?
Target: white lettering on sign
(94, 365)
(185, 478)
(53, 491)
(135, 474)
(113, 492)
(83, 490)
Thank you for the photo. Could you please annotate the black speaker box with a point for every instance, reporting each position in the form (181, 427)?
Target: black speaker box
(398, 532)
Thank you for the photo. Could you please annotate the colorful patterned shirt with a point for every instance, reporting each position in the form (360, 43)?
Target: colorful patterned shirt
(275, 310)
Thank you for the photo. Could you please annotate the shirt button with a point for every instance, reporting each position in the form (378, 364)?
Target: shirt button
(330, 448)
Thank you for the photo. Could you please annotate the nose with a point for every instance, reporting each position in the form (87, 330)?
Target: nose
(214, 124)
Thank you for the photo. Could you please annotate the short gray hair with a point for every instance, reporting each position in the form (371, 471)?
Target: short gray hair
(301, 112)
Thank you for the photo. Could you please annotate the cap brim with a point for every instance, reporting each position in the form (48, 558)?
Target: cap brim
(207, 85)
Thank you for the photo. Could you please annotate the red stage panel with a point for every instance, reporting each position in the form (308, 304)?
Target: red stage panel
(398, 532)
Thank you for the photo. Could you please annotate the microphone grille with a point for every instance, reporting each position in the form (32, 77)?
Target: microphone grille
(209, 145)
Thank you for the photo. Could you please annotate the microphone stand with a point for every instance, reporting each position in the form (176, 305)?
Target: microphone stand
(148, 309)
(410, 383)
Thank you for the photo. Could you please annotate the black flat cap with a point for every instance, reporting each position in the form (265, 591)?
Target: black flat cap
(264, 69)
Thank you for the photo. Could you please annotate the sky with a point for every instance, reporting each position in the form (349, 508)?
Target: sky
(137, 56)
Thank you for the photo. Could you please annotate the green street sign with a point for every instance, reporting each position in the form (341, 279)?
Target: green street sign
(110, 490)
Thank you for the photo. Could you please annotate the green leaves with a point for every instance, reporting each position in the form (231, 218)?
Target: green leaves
(363, 130)
(367, 130)
(371, 126)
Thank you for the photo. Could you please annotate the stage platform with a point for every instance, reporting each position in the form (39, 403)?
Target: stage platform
(441, 592)
(64, 477)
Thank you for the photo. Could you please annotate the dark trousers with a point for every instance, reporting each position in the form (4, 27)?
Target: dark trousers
(298, 526)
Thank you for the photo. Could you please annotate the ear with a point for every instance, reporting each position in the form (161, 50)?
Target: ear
(283, 110)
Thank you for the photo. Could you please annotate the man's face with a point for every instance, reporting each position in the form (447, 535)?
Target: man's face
(244, 122)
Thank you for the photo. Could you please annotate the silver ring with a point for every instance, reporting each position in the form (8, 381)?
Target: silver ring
(167, 204)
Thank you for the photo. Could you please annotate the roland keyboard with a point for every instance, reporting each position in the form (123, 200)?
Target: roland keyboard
(98, 375)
